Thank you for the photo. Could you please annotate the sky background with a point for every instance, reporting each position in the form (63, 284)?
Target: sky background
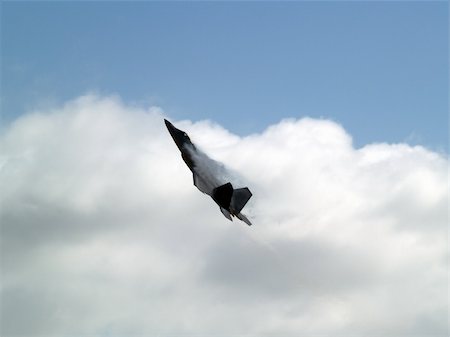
(104, 234)
(334, 114)
(378, 68)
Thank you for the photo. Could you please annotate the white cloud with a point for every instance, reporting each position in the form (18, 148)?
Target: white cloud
(103, 232)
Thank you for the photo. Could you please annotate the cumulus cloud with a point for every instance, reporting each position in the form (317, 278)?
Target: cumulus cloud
(103, 233)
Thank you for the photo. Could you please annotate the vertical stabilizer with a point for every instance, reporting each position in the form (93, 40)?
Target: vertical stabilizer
(239, 198)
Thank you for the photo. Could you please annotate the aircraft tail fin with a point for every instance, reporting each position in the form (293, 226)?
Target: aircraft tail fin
(223, 195)
(232, 201)
(239, 198)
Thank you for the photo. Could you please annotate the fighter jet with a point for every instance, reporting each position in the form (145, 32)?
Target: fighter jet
(209, 177)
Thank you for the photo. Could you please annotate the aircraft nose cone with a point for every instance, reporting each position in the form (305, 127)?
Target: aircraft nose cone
(169, 126)
(178, 136)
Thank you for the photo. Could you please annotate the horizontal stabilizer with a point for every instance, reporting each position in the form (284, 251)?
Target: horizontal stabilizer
(242, 217)
(226, 213)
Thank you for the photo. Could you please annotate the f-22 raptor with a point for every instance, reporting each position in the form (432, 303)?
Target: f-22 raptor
(208, 178)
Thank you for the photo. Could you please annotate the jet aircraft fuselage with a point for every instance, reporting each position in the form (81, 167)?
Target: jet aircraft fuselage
(208, 178)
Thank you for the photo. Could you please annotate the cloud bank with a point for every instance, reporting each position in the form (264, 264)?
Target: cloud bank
(103, 233)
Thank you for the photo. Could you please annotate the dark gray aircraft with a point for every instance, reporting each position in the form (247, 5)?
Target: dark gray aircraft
(209, 177)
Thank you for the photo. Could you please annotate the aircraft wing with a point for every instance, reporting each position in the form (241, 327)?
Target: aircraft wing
(201, 184)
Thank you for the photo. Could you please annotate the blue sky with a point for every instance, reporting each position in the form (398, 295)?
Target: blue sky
(378, 68)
